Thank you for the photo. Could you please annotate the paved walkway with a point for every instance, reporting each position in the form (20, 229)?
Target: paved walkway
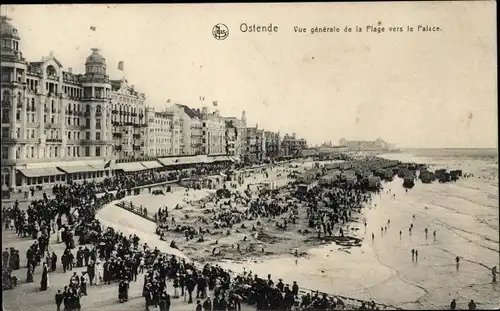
(103, 297)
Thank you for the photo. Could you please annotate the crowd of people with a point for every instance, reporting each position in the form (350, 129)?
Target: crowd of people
(111, 256)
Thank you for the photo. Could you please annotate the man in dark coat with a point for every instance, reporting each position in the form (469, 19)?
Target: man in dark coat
(190, 284)
(91, 271)
(59, 299)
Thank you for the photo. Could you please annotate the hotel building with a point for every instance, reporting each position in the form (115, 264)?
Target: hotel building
(51, 115)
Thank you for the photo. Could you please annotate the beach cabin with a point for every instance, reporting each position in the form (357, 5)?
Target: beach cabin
(307, 186)
(310, 174)
(350, 179)
(374, 182)
(328, 179)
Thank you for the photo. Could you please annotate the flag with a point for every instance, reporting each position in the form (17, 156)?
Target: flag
(107, 164)
(215, 103)
(92, 28)
(120, 65)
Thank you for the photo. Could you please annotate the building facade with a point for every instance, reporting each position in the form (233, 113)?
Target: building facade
(164, 133)
(214, 132)
(192, 129)
(50, 114)
(356, 145)
(255, 145)
(292, 145)
(127, 120)
(235, 135)
(272, 144)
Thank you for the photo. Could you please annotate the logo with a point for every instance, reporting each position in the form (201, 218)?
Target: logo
(220, 31)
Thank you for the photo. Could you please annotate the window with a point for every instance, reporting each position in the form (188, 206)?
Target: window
(97, 136)
(68, 151)
(87, 135)
(69, 135)
(97, 151)
(87, 151)
(44, 118)
(56, 152)
(5, 153)
(33, 133)
(18, 115)
(98, 123)
(69, 120)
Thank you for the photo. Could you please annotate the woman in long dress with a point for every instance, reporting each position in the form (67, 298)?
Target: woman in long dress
(44, 282)
(98, 273)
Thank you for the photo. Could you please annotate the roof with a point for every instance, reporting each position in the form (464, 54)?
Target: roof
(190, 112)
(7, 29)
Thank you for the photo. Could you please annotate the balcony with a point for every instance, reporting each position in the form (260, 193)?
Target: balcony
(68, 112)
(98, 114)
(94, 78)
(136, 147)
(46, 110)
(141, 116)
(54, 140)
(19, 105)
(133, 114)
(117, 147)
(86, 114)
(5, 103)
(117, 135)
(53, 77)
(9, 140)
(136, 136)
(114, 111)
(86, 142)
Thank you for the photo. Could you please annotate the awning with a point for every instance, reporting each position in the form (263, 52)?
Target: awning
(38, 172)
(130, 166)
(100, 166)
(78, 169)
(168, 161)
(151, 164)
(189, 160)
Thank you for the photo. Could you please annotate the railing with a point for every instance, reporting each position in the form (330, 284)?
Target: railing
(86, 114)
(98, 114)
(136, 136)
(20, 105)
(9, 140)
(114, 111)
(54, 140)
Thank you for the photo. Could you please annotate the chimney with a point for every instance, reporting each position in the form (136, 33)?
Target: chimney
(70, 70)
(204, 110)
(51, 54)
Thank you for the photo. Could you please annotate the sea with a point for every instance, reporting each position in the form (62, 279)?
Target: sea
(464, 216)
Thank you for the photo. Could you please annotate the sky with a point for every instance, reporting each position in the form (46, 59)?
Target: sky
(414, 89)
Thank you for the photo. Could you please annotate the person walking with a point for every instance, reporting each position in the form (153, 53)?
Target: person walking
(453, 305)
